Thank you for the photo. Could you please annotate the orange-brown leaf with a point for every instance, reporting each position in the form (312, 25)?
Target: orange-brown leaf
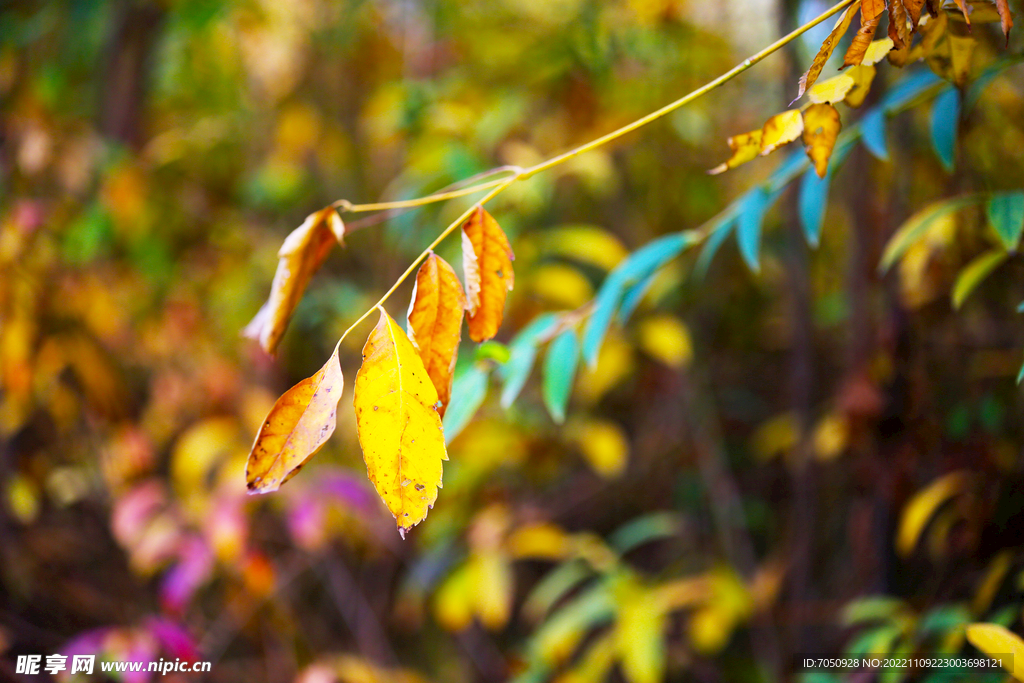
(861, 41)
(827, 47)
(1005, 18)
(301, 255)
(962, 5)
(297, 426)
(435, 322)
(914, 8)
(898, 29)
(869, 9)
(821, 130)
(487, 265)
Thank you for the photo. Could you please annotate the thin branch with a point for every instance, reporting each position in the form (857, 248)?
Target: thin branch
(497, 185)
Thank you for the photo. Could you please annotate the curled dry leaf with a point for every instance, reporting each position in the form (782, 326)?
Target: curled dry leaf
(899, 31)
(745, 147)
(398, 425)
(1005, 18)
(962, 6)
(781, 129)
(487, 264)
(827, 47)
(821, 130)
(435, 322)
(297, 426)
(301, 255)
(861, 40)
(913, 8)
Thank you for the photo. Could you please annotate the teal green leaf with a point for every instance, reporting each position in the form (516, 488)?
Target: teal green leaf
(974, 272)
(644, 529)
(749, 226)
(633, 295)
(635, 268)
(811, 204)
(718, 232)
(909, 89)
(559, 373)
(1006, 214)
(522, 354)
(945, 120)
(468, 392)
(872, 133)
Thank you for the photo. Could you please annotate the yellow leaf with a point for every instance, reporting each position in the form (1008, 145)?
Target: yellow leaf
(744, 146)
(603, 444)
(781, 129)
(832, 90)
(639, 636)
(539, 541)
(487, 264)
(821, 130)
(861, 40)
(561, 284)
(993, 639)
(923, 506)
(862, 75)
(586, 243)
(493, 585)
(831, 436)
(614, 363)
(297, 427)
(301, 255)
(838, 31)
(974, 272)
(776, 436)
(435, 323)
(453, 602)
(398, 425)
(877, 51)
(666, 338)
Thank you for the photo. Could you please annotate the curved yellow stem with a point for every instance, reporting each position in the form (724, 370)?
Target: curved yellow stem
(497, 185)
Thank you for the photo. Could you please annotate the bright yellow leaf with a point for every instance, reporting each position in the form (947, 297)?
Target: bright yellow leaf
(821, 130)
(667, 339)
(781, 129)
(585, 243)
(920, 509)
(398, 424)
(993, 639)
(832, 90)
(603, 444)
(745, 147)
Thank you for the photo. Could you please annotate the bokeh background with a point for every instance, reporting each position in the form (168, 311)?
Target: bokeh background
(729, 486)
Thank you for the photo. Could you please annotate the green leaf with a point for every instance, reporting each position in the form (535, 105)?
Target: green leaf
(638, 266)
(468, 392)
(874, 608)
(650, 527)
(1006, 214)
(974, 272)
(909, 89)
(522, 354)
(718, 232)
(559, 372)
(811, 204)
(945, 120)
(872, 133)
(917, 225)
(748, 230)
(986, 77)
(492, 350)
